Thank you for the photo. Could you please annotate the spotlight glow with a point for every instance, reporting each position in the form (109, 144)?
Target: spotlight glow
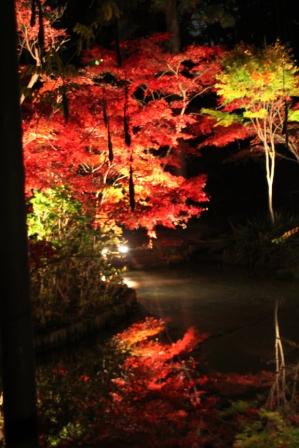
(123, 249)
(105, 251)
(130, 282)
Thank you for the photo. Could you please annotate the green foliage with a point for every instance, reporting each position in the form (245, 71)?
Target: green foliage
(222, 118)
(71, 431)
(260, 113)
(86, 35)
(254, 245)
(55, 215)
(236, 407)
(257, 84)
(293, 115)
(258, 75)
(270, 430)
(71, 276)
(74, 392)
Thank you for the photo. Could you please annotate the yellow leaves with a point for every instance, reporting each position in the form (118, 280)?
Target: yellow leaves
(140, 332)
(260, 113)
(113, 194)
(158, 177)
(222, 118)
(293, 115)
(259, 75)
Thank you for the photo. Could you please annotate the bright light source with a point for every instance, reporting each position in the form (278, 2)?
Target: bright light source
(105, 251)
(130, 282)
(123, 249)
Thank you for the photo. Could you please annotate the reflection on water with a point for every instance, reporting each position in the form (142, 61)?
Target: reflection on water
(116, 392)
(136, 389)
(131, 283)
(133, 388)
(235, 308)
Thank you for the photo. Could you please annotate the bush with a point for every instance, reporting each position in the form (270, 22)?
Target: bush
(270, 430)
(260, 246)
(71, 274)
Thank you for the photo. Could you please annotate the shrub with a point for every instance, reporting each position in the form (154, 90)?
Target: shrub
(71, 273)
(270, 430)
(261, 246)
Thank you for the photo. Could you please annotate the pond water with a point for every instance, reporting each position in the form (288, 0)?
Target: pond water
(94, 393)
(233, 307)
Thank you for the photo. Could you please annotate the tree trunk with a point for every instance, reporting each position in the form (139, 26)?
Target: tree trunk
(17, 354)
(172, 25)
(266, 134)
(270, 158)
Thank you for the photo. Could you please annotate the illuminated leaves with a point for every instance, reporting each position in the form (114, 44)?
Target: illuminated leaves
(29, 32)
(257, 88)
(222, 118)
(144, 389)
(120, 147)
(156, 392)
(224, 135)
(259, 113)
(258, 75)
(293, 115)
(140, 332)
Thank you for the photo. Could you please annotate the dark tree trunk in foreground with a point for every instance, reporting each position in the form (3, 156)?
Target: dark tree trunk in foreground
(17, 354)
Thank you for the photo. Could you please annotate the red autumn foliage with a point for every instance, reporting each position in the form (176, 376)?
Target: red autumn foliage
(163, 400)
(117, 135)
(222, 136)
(29, 26)
(39, 42)
(234, 384)
(156, 396)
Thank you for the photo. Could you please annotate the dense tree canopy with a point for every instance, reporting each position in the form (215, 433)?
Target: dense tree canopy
(257, 88)
(117, 134)
(117, 125)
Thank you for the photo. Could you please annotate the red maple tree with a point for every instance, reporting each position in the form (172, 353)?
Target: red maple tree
(118, 135)
(39, 41)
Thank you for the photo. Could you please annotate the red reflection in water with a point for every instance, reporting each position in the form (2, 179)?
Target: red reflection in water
(160, 397)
